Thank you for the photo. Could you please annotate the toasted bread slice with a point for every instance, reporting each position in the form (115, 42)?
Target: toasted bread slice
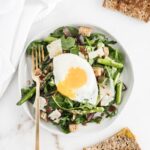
(112, 4)
(135, 8)
(123, 140)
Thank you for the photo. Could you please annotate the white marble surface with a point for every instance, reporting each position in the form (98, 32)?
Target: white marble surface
(17, 130)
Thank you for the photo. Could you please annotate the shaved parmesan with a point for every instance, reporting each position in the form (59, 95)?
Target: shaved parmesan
(99, 52)
(107, 93)
(43, 103)
(54, 115)
(54, 48)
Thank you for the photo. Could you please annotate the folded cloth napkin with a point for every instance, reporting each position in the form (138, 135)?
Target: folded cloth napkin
(14, 29)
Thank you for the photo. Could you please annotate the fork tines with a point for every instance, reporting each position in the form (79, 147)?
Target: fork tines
(37, 57)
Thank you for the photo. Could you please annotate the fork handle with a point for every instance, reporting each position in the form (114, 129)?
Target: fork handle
(37, 117)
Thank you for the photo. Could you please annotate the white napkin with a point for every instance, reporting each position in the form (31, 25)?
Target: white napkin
(18, 22)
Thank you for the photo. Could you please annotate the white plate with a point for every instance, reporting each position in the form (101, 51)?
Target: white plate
(127, 76)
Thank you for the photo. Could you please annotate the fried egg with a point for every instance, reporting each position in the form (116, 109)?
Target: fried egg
(74, 78)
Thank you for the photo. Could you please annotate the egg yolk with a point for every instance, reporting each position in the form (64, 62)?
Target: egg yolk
(75, 79)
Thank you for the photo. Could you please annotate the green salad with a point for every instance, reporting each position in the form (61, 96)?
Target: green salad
(98, 89)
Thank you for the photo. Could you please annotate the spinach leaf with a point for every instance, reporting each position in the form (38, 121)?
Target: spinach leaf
(97, 119)
(64, 122)
(109, 42)
(115, 54)
(95, 39)
(67, 43)
(52, 104)
(62, 101)
(73, 31)
(58, 33)
(97, 36)
(74, 50)
(80, 119)
(49, 39)
(68, 105)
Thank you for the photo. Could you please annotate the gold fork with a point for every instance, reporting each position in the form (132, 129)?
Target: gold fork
(37, 59)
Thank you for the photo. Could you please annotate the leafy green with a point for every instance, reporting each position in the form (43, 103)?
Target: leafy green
(66, 104)
(74, 50)
(80, 119)
(49, 85)
(49, 39)
(97, 36)
(74, 31)
(52, 104)
(89, 42)
(115, 54)
(109, 42)
(89, 48)
(58, 33)
(67, 43)
(110, 111)
(64, 122)
(97, 119)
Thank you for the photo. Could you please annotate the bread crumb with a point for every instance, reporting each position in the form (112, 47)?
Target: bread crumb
(85, 31)
(73, 127)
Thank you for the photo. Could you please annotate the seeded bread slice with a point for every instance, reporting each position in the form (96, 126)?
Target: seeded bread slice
(112, 4)
(123, 140)
(135, 8)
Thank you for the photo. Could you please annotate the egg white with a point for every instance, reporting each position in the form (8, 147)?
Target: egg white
(62, 64)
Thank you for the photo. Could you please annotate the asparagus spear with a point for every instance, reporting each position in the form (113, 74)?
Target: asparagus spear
(27, 96)
(109, 62)
(119, 87)
(116, 78)
(77, 110)
(83, 112)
